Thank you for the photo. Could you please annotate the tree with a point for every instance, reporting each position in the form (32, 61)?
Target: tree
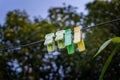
(101, 11)
(35, 63)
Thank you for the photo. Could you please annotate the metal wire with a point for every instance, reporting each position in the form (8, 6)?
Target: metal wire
(33, 43)
(115, 20)
(25, 45)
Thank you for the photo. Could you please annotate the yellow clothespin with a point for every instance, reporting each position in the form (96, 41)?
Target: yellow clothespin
(78, 39)
(60, 39)
(49, 42)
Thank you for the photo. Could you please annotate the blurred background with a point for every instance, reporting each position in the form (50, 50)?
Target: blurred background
(23, 22)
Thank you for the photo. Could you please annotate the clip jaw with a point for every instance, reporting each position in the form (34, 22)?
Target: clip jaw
(77, 35)
(49, 42)
(60, 39)
(78, 39)
(68, 41)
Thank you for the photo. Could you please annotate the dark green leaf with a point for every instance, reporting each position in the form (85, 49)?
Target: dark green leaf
(107, 63)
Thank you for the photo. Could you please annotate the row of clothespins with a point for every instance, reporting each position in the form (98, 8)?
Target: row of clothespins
(64, 38)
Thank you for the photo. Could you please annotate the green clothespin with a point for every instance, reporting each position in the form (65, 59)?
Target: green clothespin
(60, 39)
(49, 42)
(68, 41)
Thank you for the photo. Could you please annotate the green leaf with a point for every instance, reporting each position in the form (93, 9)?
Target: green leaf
(116, 40)
(107, 63)
(104, 45)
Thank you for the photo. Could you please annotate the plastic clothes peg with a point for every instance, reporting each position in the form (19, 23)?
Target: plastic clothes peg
(60, 39)
(77, 35)
(49, 42)
(78, 39)
(68, 41)
(81, 45)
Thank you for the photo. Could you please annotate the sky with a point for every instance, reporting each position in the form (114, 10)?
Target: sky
(37, 7)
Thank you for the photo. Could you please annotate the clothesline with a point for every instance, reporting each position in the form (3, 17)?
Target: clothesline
(40, 41)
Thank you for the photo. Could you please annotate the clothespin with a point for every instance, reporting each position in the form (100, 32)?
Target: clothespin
(49, 42)
(68, 41)
(60, 39)
(78, 39)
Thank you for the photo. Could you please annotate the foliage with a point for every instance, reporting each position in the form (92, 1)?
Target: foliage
(103, 46)
(115, 40)
(98, 12)
(35, 63)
